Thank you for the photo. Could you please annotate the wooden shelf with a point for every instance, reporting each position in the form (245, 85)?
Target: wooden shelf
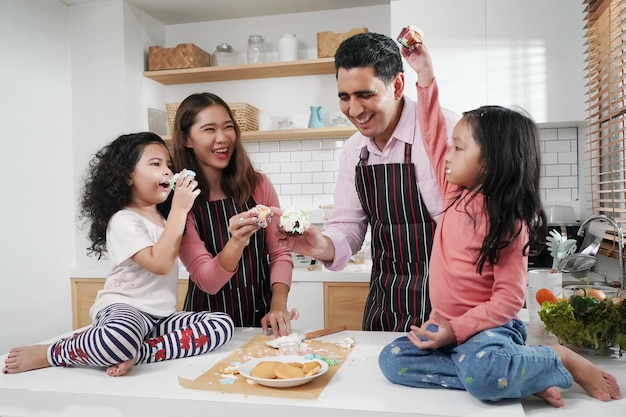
(244, 72)
(289, 134)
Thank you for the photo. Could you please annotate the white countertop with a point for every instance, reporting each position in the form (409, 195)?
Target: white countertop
(358, 388)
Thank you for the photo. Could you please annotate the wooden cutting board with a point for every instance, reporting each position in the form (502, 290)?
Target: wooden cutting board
(221, 376)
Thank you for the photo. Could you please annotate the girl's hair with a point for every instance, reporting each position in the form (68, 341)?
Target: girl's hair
(370, 49)
(107, 188)
(239, 177)
(509, 145)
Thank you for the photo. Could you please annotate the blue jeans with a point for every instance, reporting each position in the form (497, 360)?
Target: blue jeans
(492, 365)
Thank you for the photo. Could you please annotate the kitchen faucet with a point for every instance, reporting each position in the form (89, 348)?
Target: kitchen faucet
(620, 239)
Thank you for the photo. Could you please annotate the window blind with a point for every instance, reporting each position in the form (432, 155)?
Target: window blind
(605, 42)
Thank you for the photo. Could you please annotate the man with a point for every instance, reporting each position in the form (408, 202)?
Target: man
(385, 180)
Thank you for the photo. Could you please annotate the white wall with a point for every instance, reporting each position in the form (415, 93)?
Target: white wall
(36, 213)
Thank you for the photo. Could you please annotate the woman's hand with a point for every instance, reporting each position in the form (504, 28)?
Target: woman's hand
(279, 320)
(241, 227)
(433, 334)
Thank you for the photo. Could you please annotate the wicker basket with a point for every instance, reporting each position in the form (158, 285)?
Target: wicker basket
(184, 55)
(246, 116)
(328, 42)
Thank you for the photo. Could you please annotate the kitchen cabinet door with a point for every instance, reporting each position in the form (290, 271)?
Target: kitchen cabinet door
(344, 304)
(308, 298)
(506, 52)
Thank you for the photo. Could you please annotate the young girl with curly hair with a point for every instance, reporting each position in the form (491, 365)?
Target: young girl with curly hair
(473, 340)
(134, 315)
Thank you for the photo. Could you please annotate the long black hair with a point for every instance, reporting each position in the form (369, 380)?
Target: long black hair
(509, 181)
(107, 187)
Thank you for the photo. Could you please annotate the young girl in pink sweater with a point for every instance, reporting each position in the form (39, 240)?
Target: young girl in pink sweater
(489, 180)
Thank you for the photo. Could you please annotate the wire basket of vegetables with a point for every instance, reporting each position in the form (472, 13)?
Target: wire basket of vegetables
(587, 320)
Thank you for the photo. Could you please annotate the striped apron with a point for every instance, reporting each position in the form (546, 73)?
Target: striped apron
(402, 236)
(246, 296)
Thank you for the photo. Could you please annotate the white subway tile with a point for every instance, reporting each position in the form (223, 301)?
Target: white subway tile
(323, 177)
(322, 155)
(332, 143)
(302, 201)
(280, 156)
(555, 194)
(329, 188)
(311, 166)
(302, 177)
(290, 145)
(270, 168)
(558, 170)
(280, 178)
(567, 133)
(549, 182)
(251, 146)
(291, 167)
(549, 158)
(568, 157)
(285, 200)
(269, 146)
(313, 188)
(291, 189)
(548, 134)
(260, 157)
(301, 156)
(320, 199)
(331, 166)
(568, 182)
(558, 146)
(312, 145)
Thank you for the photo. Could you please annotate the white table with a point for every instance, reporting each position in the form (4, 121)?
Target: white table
(358, 389)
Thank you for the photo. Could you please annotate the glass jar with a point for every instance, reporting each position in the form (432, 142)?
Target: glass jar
(256, 53)
(223, 55)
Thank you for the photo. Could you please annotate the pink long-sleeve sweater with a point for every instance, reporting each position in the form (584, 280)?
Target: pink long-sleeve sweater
(470, 301)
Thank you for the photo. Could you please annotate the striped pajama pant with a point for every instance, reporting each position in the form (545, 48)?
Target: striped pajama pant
(120, 332)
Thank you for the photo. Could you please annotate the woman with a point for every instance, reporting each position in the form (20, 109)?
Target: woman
(235, 265)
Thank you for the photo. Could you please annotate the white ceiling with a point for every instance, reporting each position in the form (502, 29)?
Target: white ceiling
(171, 12)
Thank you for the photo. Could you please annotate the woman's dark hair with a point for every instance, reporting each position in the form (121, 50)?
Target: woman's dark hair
(509, 145)
(107, 188)
(370, 50)
(239, 177)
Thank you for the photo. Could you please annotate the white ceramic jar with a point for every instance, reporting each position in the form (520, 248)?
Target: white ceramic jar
(288, 47)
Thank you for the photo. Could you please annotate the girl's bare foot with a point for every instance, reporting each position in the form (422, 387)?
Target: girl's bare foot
(597, 383)
(552, 396)
(121, 368)
(26, 358)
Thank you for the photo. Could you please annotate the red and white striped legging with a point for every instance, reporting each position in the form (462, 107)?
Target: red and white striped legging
(120, 332)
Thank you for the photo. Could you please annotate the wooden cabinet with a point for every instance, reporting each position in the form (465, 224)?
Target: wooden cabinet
(344, 304)
(84, 291)
(298, 68)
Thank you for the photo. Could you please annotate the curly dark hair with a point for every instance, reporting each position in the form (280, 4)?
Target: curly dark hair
(509, 145)
(107, 187)
(239, 178)
(370, 49)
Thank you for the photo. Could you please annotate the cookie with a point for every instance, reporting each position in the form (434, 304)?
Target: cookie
(265, 370)
(287, 371)
(311, 368)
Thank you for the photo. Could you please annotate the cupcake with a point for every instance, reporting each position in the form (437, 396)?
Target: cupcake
(410, 36)
(188, 173)
(294, 222)
(263, 213)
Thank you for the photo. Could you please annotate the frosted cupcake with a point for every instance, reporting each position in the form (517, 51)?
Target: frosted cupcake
(263, 213)
(294, 222)
(188, 173)
(410, 36)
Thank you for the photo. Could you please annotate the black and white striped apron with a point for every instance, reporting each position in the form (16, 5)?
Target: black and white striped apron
(402, 236)
(246, 296)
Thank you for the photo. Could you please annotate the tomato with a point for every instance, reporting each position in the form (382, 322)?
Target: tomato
(544, 294)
